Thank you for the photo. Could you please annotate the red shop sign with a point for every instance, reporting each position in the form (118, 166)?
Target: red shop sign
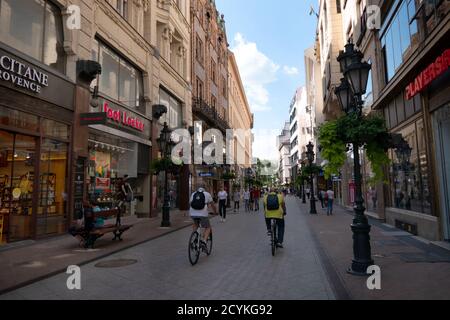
(433, 71)
(123, 117)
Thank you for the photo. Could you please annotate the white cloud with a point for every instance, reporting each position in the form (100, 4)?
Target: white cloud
(265, 144)
(257, 71)
(290, 71)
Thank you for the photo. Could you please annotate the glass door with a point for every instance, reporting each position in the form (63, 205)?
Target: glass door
(20, 187)
(442, 132)
(6, 160)
(52, 204)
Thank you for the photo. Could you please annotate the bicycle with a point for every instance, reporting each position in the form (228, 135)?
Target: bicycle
(195, 248)
(273, 236)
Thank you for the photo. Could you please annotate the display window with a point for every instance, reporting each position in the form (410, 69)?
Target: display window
(110, 160)
(409, 175)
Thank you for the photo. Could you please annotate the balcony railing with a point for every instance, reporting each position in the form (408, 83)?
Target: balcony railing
(209, 115)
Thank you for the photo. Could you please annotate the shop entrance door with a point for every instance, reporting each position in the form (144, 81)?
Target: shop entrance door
(442, 131)
(17, 169)
(52, 203)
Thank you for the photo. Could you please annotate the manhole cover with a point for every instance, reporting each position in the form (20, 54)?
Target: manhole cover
(116, 263)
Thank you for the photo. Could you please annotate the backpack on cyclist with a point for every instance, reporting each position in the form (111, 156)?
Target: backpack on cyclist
(272, 202)
(198, 201)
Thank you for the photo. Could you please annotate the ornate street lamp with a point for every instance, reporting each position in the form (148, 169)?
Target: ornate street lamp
(348, 56)
(345, 96)
(310, 155)
(165, 146)
(349, 95)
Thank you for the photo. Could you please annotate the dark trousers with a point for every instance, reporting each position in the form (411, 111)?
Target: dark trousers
(280, 227)
(256, 204)
(236, 205)
(223, 208)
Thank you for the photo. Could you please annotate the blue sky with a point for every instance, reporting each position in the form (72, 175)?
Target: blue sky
(269, 38)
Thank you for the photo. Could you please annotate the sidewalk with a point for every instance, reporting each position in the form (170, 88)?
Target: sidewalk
(411, 268)
(35, 260)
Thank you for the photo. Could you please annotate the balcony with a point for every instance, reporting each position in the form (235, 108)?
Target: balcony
(209, 114)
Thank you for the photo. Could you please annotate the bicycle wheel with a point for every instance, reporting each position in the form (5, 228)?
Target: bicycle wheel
(274, 237)
(194, 249)
(209, 244)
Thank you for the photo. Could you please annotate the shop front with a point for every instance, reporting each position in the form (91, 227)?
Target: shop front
(418, 192)
(36, 118)
(439, 94)
(119, 149)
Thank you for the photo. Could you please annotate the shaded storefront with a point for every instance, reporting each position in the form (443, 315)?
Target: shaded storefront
(36, 119)
(117, 149)
(416, 61)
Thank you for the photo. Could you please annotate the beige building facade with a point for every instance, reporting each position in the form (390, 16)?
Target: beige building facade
(240, 119)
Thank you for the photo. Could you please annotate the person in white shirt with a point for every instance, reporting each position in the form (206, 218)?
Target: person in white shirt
(247, 200)
(223, 197)
(200, 201)
(330, 197)
(237, 199)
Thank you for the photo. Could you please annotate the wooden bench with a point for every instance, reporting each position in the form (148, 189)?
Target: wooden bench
(88, 237)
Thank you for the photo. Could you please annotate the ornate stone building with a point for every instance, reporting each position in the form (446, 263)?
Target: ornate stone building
(167, 27)
(209, 62)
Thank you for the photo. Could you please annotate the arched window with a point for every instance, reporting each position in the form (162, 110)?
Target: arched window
(34, 28)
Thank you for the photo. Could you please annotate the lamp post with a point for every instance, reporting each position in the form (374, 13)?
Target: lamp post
(165, 144)
(349, 93)
(310, 155)
(303, 164)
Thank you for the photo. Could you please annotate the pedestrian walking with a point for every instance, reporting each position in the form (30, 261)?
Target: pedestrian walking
(308, 192)
(321, 196)
(256, 199)
(247, 200)
(251, 201)
(330, 198)
(236, 199)
(223, 196)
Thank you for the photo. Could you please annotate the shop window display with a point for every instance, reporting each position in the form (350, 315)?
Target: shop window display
(109, 161)
(409, 173)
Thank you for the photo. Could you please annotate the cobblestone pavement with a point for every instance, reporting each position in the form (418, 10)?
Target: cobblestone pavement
(241, 267)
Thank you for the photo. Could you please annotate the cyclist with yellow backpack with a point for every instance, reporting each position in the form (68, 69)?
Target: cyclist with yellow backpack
(275, 208)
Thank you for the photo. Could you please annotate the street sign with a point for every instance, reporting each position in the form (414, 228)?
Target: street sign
(206, 174)
(92, 118)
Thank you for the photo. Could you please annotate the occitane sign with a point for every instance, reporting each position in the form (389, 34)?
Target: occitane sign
(22, 75)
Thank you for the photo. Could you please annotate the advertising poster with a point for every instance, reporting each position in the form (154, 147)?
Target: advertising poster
(102, 170)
